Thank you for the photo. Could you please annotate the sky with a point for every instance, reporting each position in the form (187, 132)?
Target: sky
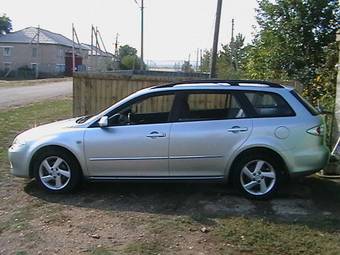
(173, 29)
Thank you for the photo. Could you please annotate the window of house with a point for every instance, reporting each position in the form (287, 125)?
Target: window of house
(7, 51)
(209, 106)
(269, 104)
(34, 52)
(152, 110)
(60, 53)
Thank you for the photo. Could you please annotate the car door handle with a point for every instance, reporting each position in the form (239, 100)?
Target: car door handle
(237, 129)
(156, 134)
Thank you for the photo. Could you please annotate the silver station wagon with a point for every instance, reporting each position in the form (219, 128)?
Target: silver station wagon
(252, 133)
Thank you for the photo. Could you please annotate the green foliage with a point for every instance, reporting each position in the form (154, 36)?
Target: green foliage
(128, 59)
(205, 61)
(187, 67)
(5, 24)
(295, 42)
(231, 58)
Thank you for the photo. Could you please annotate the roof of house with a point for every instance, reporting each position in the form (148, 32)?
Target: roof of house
(30, 35)
(96, 49)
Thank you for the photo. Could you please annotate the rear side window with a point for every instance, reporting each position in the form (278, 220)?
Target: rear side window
(209, 106)
(305, 103)
(269, 104)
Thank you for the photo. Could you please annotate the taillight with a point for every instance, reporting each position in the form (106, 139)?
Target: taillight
(318, 130)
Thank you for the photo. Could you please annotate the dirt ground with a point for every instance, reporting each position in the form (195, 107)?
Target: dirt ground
(157, 218)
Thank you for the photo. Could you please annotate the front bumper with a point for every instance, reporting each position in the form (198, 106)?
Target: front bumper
(18, 161)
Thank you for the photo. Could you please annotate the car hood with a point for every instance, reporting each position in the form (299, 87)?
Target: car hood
(47, 129)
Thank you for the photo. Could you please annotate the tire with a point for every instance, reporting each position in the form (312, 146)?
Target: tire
(57, 171)
(257, 175)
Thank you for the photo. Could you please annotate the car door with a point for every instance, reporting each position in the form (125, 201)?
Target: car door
(209, 127)
(135, 144)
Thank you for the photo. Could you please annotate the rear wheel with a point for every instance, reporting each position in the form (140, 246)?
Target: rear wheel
(57, 171)
(257, 176)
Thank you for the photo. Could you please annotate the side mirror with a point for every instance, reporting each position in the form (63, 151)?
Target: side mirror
(104, 121)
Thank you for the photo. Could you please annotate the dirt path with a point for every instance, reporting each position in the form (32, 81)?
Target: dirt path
(17, 96)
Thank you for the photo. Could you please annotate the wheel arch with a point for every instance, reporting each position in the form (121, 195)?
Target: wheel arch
(259, 149)
(51, 148)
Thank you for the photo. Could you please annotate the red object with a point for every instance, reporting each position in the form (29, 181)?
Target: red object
(68, 63)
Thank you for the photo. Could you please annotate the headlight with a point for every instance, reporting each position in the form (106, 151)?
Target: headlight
(18, 143)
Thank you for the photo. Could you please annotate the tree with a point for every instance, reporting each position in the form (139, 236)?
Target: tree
(205, 61)
(231, 59)
(128, 59)
(187, 67)
(292, 38)
(5, 25)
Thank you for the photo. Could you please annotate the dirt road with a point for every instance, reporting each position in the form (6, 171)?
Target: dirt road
(16, 96)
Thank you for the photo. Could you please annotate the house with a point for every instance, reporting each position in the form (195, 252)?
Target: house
(38, 51)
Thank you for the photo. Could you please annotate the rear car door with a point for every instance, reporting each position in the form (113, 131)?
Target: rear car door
(209, 127)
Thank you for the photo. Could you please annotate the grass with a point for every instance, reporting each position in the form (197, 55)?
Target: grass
(261, 236)
(14, 121)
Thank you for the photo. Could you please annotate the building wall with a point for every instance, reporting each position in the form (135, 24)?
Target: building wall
(50, 58)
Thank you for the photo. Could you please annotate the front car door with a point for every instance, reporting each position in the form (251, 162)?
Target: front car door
(209, 127)
(136, 141)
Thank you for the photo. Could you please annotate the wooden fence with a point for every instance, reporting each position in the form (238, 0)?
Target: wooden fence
(93, 92)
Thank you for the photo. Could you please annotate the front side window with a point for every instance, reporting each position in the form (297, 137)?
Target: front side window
(7, 51)
(209, 106)
(151, 110)
(269, 104)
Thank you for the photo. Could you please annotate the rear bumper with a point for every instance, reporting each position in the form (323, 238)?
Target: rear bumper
(308, 161)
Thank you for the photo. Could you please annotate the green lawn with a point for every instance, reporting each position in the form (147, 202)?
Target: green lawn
(152, 219)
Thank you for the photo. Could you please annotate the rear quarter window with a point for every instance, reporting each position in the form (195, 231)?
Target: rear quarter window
(305, 103)
(266, 104)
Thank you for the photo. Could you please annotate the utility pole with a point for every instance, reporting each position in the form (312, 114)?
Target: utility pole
(73, 53)
(197, 56)
(232, 46)
(91, 57)
(39, 55)
(215, 42)
(142, 33)
(116, 45)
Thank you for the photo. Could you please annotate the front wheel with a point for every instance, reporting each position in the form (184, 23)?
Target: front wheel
(257, 176)
(56, 171)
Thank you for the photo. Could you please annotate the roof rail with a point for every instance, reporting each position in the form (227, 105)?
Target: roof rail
(231, 82)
